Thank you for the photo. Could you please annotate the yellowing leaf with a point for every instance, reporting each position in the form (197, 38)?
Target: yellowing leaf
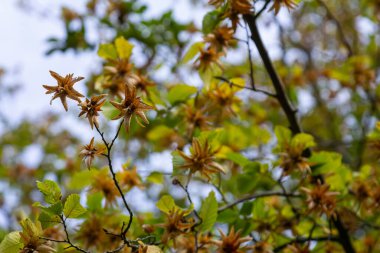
(107, 51)
(180, 93)
(123, 47)
(153, 249)
(11, 243)
(192, 51)
(73, 208)
(155, 177)
(240, 83)
(166, 204)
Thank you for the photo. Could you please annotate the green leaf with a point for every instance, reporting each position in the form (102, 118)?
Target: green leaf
(238, 158)
(11, 243)
(81, 179)
(283, 135)
(192, 51)
(55, 208)
(210, 21)
(180, 93)
(325, 162)
(159, 132)
(107, 51)
(228, 216)
(155, 177)
(123, 47)
(208, 212)
(303, 140)
(50, 190)
(94, 201)
(258, 210)
(246, 209)
(166, 204)
(177, 161)
(48, 220)
(29, 228)
(109, 111)
(73, 208)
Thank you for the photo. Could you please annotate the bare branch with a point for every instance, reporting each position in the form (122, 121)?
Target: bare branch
(108, 156)
(339, 27)
(303, 240)
(256, 196)
(244, 87)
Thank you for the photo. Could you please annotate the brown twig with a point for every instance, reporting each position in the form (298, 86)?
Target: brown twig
(344, 237)
(109, 159)
(256, 196)
(221, 78)
(200, 220)
(339, 27)
(303, 240)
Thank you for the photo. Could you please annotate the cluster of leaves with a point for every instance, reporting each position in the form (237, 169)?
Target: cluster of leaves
(245, 177)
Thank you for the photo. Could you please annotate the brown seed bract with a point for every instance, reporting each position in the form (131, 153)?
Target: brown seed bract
(64, 88)
(131, 105)
(201, 159)
(91, 107)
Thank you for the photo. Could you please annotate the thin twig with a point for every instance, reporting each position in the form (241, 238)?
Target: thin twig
(200, 220)
(221, 78)
(262, 9)
(294, 209)
(251, 77)
(303, 240)
(68, 238)
(339, 27)
(256, 196)
(108, 156)
(185, 189)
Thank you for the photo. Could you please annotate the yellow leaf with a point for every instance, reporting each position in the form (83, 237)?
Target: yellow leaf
(123, 48)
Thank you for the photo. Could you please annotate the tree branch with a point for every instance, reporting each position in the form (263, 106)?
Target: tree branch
(303, 240)
(256, 196)
(344, 238)
(221, 78)
(339, 27)
(68, 238)
(277, 83)
(108, 156)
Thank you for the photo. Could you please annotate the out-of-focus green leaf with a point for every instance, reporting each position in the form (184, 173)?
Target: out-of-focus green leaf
(304, 140)
(283, 135)
(124, 48)
(155, 177)
(210, 21)
(107, 51)
(94, 201)
(48, 220)
(208, 212)
(228, 216)
(73, 208)
(50, 190)
(81, 179)
(54, 209)
(166, 204)
(109, 111)
(192, 52)
(238, 158)
(180, 93)
(11, 243)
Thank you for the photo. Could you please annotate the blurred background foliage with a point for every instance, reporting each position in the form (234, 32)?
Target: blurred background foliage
(327, 55)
